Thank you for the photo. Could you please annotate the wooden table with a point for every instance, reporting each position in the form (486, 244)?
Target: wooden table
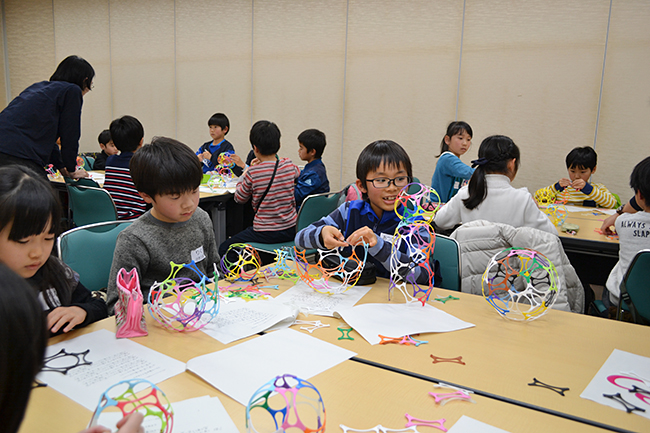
(355, 394)
(587, 240)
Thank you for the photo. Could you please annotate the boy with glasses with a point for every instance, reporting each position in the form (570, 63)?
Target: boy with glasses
(383, 169)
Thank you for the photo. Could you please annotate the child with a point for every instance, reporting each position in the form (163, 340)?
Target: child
(209, 152)
(633, 231)
(581, 164)
(489, 195)
(451, 173)
(167, 175)
(383, 168)
(313, 178)
(29, 217)
(269, 184)
(108, 149)
(127, 134)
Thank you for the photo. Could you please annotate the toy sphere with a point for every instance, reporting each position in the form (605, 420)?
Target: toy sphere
(152, 403)
(181, 304)
(556, 213)
(521, 284)
(80, 162)
(419, 202)
(416, 241)
(225, 159)
(216, 181)
(298, 407)
(240, 263)
(335, 270)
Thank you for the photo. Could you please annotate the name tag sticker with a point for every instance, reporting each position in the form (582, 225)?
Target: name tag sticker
(387, 238)
(198, 254)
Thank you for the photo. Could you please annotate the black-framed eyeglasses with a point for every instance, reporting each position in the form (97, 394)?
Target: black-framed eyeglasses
(384, 182)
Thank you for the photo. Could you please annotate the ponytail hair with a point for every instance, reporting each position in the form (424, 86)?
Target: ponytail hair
(494, 154)
(453, 129)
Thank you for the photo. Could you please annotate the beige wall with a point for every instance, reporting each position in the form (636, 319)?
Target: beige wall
(360, 71)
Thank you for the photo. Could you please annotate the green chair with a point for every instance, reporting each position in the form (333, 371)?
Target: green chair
(89, 162)
(90, 205)
(313, 208)
(88, 250)
(447, 252)
(635, 289)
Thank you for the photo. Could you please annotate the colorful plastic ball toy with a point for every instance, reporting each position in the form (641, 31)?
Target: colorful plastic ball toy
(521, 284)
(298, 407)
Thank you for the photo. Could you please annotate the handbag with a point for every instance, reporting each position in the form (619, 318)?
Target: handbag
(129, 308)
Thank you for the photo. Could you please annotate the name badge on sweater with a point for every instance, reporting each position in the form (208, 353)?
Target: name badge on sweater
(198, 254)
(387, 238)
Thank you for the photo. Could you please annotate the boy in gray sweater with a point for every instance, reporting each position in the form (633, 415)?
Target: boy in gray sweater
(167, 175)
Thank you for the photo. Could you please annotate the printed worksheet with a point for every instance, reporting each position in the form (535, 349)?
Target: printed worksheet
(84, 367)
(237, 320)
(310, 301)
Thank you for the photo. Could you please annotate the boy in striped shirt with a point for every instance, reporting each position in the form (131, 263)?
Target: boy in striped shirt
(581, 164)
(269, 184)
(127, 134)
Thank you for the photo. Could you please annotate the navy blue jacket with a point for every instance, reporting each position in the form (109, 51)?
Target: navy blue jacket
(43, 112)
(312, 180)
(223, 146)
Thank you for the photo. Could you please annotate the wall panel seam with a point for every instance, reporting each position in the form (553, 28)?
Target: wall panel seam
(345, 72)
(6, 55)
(602, 75)
(460, 59)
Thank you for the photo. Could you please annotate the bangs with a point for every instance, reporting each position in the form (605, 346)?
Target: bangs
(29, 207)
(381, 152)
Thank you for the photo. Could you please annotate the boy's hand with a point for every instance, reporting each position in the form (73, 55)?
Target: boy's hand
(564, 182)
(132, 423)
(206, 155)
(608, 225)
(578, 184)
(238, 161)
(62, 315)
(363, 233)
(332, 238)
(255, 161)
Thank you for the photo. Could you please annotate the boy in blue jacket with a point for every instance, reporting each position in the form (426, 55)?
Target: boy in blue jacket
(313, 178)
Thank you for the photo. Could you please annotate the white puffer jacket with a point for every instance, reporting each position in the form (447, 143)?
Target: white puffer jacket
(480, 240)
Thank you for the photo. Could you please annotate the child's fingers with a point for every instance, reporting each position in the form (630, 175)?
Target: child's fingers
(131, 423)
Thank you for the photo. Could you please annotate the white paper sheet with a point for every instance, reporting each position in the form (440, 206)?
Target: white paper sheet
(469, 425)
(197, 415)
(207, 189)
(113, 360)
(241, 370)
(636, 370)
(238, 320)
(398, 320)
(310, 301)
(599, 211)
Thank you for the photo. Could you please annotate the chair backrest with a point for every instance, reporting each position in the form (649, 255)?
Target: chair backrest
(447, 252)
(89, 251)
(637, 285)
(89, 162)
(90, 205)
(316, 206)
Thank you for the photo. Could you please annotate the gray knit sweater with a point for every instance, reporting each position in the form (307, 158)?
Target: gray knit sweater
(149, 245)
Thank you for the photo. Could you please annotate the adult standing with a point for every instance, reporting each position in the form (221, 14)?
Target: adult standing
(31, 124)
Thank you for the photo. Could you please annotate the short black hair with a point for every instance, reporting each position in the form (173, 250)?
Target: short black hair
(265, 136)
(166, 166)
(27, 202)
(387, 152)
(127, 133)
(582, 157)
(104, 137)
(221, 120)
(640, 179)
(75, 70)
(313, 139)
(23, 337)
